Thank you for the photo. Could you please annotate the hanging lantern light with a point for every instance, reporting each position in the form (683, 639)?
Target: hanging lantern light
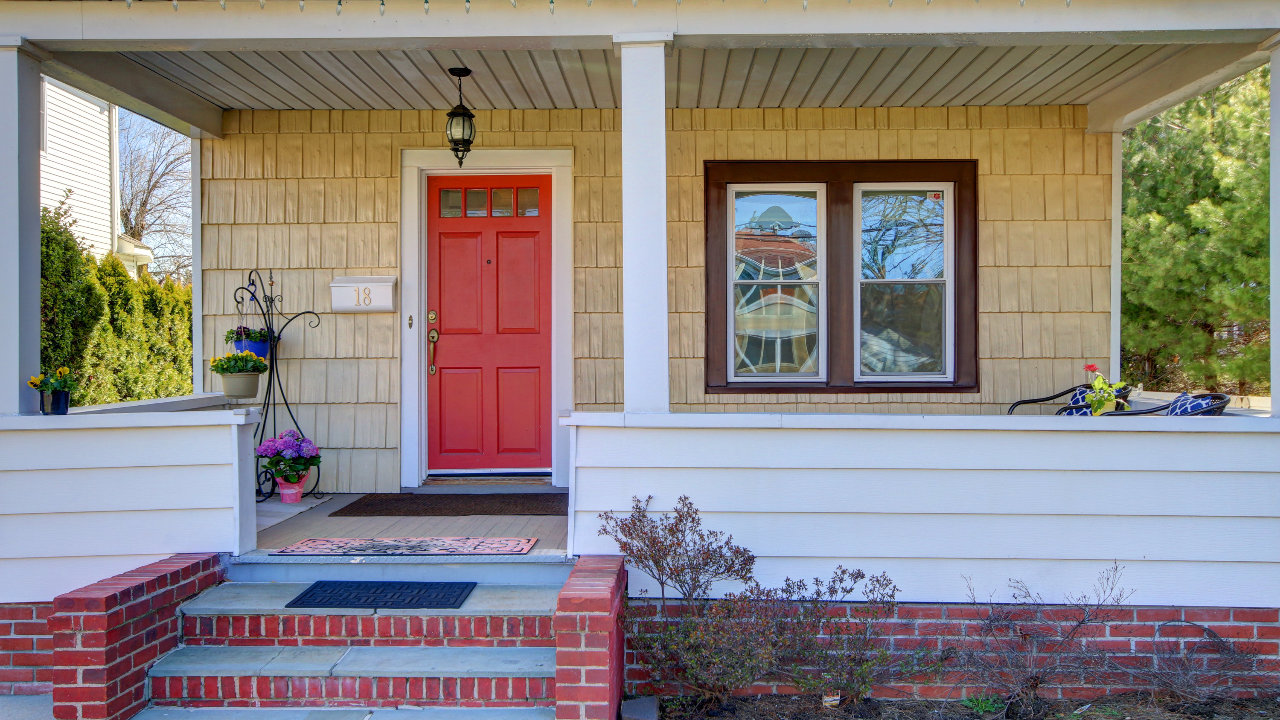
(460, 130)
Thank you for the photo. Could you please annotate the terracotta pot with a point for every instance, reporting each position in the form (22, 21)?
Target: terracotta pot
(240, 385)
(61, 402)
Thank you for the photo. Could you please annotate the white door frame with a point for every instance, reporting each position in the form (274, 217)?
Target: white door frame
(415, 166)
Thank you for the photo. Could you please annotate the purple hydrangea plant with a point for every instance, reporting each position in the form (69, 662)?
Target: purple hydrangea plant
(289, 455)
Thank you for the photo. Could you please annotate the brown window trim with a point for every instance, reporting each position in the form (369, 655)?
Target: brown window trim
(839, 177)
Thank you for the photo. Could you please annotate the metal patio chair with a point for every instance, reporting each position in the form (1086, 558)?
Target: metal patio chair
(1076, 404)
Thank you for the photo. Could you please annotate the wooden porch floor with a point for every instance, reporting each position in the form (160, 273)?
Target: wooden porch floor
(551, 531)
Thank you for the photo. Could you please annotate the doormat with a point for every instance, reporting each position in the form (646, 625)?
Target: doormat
(383, 595)
(410, 546)
(411, 505)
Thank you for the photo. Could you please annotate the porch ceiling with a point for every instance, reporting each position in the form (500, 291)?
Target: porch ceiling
(696, 78)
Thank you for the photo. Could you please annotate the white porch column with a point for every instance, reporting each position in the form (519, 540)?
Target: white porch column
(19, 225)
(1275, 231)
(645, 364)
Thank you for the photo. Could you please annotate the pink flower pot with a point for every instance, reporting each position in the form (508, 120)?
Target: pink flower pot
(291, 492)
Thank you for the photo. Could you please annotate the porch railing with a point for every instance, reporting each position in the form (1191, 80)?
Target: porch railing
(109, 488)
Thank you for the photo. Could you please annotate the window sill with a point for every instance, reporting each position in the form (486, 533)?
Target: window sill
(744, 388)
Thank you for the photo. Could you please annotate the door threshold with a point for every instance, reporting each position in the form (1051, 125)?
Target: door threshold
(487, 482)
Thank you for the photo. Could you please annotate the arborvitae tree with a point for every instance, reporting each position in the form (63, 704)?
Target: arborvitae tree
(1195, 250)
(167, 307)
(125, 339)
(71, 301)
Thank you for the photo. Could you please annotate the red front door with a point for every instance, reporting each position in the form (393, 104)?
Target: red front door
(489, 287)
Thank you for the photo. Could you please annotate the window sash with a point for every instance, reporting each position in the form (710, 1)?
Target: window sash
(819, 281)
(947, 281)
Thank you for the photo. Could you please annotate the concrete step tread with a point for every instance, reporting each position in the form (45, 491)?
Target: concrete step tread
(266, 598)
(426, 713)
(540, 567)
(222, 661)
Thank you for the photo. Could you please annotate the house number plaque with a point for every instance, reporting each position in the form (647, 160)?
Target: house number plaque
(363, 294)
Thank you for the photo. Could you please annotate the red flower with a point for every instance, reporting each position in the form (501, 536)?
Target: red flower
(1091, 368)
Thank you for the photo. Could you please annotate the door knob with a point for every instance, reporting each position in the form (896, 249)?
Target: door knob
(432, 337)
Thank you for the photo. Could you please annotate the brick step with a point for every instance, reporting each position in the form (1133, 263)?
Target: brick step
(254, 614)
(431, 713)
(354, 676)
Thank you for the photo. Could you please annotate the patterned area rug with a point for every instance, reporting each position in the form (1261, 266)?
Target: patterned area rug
(383, 595)
(410, 546)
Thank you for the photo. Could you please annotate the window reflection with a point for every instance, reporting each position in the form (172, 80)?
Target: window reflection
(903, 235)
(775, 282)
(450, 203)
(477, 202)
(527, 202)
(500, 202)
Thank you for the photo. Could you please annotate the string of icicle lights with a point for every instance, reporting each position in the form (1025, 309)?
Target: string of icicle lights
(426, 4)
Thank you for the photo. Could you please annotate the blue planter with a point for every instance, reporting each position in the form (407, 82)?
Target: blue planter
(257, 347)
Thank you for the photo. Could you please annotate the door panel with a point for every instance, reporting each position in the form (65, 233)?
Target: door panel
(519, 425)
(461, 305)
(462, 401)
(519, 261)
(489, 282)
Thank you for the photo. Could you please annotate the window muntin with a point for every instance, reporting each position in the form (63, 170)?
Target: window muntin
(776, 303)
(904, 305)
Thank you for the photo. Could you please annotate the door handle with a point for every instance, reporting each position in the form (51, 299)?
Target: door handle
(432, 337)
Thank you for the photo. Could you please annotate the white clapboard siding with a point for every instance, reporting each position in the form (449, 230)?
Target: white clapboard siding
(77, 157)
(1190, 507)
(84, 497)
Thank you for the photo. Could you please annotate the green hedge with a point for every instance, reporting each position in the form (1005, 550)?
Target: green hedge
(126, 338)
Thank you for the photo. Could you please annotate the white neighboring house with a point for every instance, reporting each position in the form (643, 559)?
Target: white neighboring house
(79, 152)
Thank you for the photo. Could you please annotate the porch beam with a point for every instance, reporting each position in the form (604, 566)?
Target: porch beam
(204, 25)
(1275, 228)
(123, 82)
(1188, 73)
(645, 360)
(19, 224)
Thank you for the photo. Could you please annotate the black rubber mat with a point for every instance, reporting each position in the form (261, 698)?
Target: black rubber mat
(384, 595)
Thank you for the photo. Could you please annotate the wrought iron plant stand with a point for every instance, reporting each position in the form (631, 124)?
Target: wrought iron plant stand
(257, 298)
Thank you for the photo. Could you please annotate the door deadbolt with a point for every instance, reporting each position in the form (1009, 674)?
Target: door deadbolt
(431, 316)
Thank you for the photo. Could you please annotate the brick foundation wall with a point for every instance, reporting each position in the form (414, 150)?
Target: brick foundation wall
(108, 634)
(26, 649)
(590, 639)
(1131, 631)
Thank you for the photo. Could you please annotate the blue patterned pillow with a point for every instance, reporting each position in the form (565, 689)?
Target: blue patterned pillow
(1077, 398)
(1185, 404)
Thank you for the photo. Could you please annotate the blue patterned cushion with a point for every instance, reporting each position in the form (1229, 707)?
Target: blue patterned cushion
(1077, 398)
(1185, 404)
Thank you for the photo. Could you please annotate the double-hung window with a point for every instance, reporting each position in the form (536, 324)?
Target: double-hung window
(841, 276)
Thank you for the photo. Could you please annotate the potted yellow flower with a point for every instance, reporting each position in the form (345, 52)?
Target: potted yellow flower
(240, 372)
(58, 389)
(1102, 393)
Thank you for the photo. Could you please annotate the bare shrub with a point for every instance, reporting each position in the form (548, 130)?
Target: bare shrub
(1191, 662)
(826, 652)
(675, 551)
(1023, 647)
(710, 648)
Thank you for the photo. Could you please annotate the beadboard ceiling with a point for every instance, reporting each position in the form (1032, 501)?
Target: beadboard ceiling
(696, 78)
